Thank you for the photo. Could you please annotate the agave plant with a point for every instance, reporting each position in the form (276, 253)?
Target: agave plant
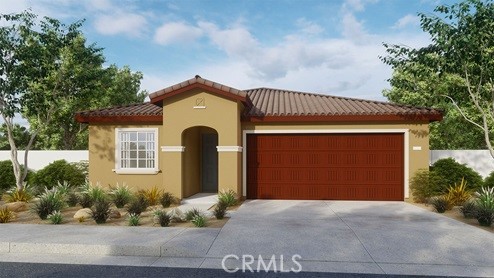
(484, 211)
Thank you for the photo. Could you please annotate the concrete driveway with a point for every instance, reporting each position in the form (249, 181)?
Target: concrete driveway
(344, 236)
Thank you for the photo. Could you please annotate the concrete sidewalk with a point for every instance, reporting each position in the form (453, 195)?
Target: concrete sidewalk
(355, 237)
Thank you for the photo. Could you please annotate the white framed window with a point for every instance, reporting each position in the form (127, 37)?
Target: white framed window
(136, 150)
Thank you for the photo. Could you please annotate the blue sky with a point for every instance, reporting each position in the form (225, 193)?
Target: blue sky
(328, 47)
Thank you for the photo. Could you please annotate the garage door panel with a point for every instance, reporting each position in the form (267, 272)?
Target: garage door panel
(325, 166)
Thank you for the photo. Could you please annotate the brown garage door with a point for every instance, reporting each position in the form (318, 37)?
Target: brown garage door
(325, 166)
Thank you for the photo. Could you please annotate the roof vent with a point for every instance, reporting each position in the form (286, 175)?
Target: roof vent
(198, 76)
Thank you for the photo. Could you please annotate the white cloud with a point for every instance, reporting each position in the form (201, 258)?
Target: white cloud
(176, 32)
(407, 20)
(352, 28)
(130, 24)
(308, 27)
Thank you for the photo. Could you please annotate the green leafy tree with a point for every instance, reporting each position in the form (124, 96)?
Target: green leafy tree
(455, 72)
(21, 136)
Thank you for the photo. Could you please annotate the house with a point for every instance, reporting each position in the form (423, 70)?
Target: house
(202, 136)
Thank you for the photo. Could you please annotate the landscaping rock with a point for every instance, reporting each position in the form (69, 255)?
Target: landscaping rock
(115, 214)
(83, 213)
(16, 206)
(177, 215)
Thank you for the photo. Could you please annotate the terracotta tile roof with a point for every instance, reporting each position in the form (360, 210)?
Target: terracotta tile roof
(199, 81)
(265, 104)
(133, 112)
(275, 102)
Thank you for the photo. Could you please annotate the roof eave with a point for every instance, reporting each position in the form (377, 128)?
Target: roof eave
(345, 118)
(119, 119)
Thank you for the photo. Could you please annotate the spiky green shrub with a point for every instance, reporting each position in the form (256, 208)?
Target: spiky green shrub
(469, 208)
(440, 203)
(138, 205)
(58, 171)
(485, 206)
(6, 215)
(121, 195)
(220, 210)
(100, 212)
(199, 221)
(228, 197)
(96, 192)
(167, 199)
(458, 194)
(134, 219)
(425, 184)
(163, 217)
(55, 217)
(49, 202)
(190, 214)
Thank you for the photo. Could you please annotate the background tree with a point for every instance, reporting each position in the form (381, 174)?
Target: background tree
(455, 72)
(47, 72)
(21, 137)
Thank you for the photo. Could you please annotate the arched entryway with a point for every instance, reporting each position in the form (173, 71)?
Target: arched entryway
(200, 160)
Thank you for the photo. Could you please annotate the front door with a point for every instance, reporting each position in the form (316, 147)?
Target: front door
(209, 163)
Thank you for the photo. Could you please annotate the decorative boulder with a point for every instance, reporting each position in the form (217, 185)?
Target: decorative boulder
(115, 214)
(16, 206)
(83, 213)
(177, 215)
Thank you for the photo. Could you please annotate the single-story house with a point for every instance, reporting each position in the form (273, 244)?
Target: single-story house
(202, 136)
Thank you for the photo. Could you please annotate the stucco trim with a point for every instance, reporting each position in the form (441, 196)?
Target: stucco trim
(301, 131)
(171, 149)
(229, 149)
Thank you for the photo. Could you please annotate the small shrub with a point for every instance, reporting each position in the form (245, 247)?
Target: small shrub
(469, 209)
(72, 199)
(7, 179)
(6, 215)
(96, 193)
(100, 212)
(425, 184)
(58, 171)
(85, 200)
(152, 195)
(199, 221)
(121, 195)
(49, 202)
(134, 219)
(220, 210)
(167, 199)
(190, 214)
(458, 194)
(16, 195)
(451, 172)
(489, 180)
(440, 203)
(485, 206)
(228, 197)
(55, 217)
(137, 205)
(163, 218)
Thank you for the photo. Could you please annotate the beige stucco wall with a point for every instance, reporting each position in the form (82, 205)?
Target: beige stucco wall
(220, 114)
(102, 159)
(418, 136)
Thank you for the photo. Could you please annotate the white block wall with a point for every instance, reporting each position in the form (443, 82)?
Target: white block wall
(39, 159)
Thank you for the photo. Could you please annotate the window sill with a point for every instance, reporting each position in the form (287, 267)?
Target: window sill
(136, 171)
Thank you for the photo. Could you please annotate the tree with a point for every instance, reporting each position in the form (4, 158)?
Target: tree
(109, 87)
(455, 72)
(21, 136)
(43, 67)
